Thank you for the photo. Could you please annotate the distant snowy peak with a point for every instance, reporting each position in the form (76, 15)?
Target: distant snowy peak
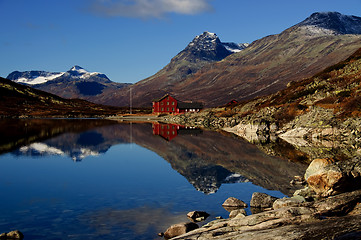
(41, 77)
(33, 77)
(331, 23)
(79, 72)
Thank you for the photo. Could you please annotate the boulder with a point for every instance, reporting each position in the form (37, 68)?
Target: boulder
(288, 202)
(12, 235)
(239, 213)
(198, 216)
(179, 229)
(306, 193)
(329, 178)
(262, 200)
(317, 166)
(234, 203)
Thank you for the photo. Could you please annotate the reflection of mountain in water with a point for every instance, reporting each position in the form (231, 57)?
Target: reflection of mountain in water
(206, 160)
(76, 146)
(209, 179)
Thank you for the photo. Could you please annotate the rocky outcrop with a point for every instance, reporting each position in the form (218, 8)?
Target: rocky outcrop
(331, 217)
(327, 219)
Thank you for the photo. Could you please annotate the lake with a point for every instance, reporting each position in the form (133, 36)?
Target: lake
(99, 179)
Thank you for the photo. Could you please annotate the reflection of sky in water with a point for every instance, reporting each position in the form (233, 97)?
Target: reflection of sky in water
(128, 192)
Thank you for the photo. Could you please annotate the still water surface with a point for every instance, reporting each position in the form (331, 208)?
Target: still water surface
(94, 179)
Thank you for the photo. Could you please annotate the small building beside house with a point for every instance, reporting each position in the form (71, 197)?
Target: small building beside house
(168, 104)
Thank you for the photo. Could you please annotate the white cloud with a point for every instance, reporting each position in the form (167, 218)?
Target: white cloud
(148, 8)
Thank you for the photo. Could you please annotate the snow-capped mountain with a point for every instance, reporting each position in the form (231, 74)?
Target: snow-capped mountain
(331, 23)
(208, 46)
(33, 77)
(74, 83)
(41, 77)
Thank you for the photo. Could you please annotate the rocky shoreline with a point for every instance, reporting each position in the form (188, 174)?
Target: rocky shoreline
(317, 129)
(329, 207)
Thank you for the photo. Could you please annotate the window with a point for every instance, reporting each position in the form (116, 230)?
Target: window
(173, 103)
(167, 103)
(168, 109)
(162, 109)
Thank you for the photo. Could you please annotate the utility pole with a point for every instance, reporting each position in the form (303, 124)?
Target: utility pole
(130, 100)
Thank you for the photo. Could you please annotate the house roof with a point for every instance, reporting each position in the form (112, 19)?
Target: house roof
(194, 105)
(160, 99)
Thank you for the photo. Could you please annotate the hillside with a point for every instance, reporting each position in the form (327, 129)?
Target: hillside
(320, 115)
(335, 89)
(203, 50)
(22, 101)
(264, 67)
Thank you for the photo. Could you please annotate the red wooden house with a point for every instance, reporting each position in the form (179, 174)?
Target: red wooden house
(168, 104)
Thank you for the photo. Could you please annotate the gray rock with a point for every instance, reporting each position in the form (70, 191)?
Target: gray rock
(234, 202)
(306, 193)
(237, 213)
(198, 216)
(262, 200)
(288, 202)
(179, 229)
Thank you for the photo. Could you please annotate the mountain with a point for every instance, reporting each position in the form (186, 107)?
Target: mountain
(75, 83)
(203, 50)
(332, 23)
(33, 77)
(264, 67)
(17, 100)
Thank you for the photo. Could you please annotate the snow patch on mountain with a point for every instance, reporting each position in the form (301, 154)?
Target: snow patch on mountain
(235, 47)
(80, 72)
(39, 79)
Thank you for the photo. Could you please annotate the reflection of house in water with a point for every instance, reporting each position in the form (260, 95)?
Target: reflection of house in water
(170, 131)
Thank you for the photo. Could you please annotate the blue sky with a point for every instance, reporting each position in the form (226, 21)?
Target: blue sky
(130, 40)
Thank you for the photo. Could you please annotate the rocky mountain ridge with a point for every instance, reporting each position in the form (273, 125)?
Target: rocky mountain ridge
(333, 23)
